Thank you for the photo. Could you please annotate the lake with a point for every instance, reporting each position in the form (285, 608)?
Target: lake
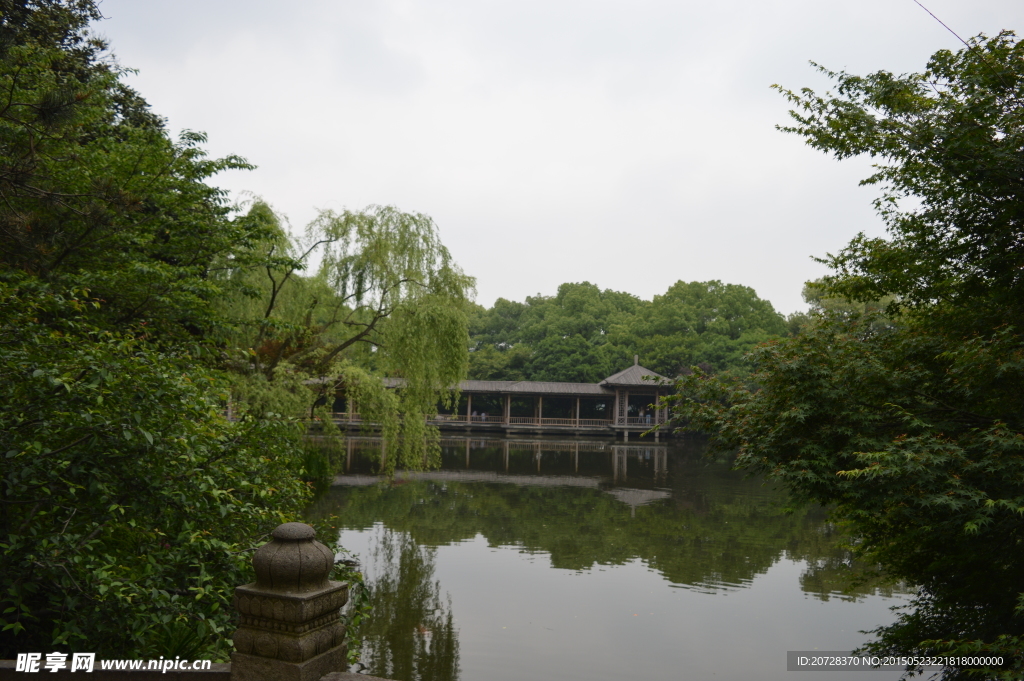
(594, 559)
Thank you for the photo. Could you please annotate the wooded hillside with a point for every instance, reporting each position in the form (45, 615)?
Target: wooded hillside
(585, 334)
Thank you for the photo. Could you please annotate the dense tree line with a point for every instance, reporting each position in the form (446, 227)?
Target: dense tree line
(585, 334)
(907, 420)
(138, 310)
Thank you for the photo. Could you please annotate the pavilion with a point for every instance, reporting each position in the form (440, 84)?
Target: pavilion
(626, 402)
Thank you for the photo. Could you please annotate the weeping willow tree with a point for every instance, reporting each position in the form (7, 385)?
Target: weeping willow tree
(386, 300)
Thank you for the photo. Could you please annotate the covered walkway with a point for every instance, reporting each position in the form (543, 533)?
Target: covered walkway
(626, 402)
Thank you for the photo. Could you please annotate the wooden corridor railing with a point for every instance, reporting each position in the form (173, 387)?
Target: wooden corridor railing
(647, 421)
(353, 417)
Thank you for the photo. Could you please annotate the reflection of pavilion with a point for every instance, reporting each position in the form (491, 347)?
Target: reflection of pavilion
(589, 482)
(638, 497)
(626, 402)
(620, 459)
(619, 455)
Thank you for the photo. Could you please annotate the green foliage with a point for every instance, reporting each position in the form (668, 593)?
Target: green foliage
(908, 422)
(94, 193)
(822, 304)
(705, 322)
(387, 300)
(127, 502)
(560, 338)
(357, 611)
(950, 138)
(584, 334)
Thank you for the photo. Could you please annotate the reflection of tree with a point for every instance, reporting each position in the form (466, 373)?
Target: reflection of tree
(410, 635)
(832, 571)
(718, 529)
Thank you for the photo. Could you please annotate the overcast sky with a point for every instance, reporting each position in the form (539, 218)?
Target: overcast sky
(629, 144)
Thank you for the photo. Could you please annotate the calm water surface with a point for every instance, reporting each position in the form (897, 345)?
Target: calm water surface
(553, 559)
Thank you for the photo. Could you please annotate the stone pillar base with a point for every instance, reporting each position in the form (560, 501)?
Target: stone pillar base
(254, 668)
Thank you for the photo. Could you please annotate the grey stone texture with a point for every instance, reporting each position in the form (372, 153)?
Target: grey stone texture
(255, 668)
(289, 625)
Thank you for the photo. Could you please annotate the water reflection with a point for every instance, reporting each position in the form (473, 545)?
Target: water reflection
(697, 522)
(578, 506)
(411, 634)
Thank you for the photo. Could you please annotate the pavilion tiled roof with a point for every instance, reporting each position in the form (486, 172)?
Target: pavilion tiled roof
(521, 387)
(534, 387)
(635, 375)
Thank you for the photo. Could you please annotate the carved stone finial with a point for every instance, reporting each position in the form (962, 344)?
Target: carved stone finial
(293, 532)
(290, 628)
(294, 562)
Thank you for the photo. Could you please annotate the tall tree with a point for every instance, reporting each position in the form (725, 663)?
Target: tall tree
(93, 192)
(707, 322)
(911, 426)
(387, 299)
(127, 500)
(122, 520)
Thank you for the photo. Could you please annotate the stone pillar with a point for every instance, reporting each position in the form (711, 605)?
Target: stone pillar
(290, 627)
